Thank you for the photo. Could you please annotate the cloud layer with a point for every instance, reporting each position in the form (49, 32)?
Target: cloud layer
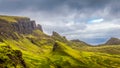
(71, 17)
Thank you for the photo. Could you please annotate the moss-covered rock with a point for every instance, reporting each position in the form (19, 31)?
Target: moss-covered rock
(11, 58)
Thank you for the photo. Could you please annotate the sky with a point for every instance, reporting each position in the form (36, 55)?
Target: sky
(92, 21)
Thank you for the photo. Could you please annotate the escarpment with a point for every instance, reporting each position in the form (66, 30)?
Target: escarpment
(22, 25)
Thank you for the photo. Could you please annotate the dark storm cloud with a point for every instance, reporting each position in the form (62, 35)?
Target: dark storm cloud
(48, 5)
(83, 4)
(70, 17)
(12, 5)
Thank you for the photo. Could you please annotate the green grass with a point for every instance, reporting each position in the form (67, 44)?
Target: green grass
(11, 19)
(110, 49)
(64, 56)
(37, 50)
(10, 58)
(89, 59)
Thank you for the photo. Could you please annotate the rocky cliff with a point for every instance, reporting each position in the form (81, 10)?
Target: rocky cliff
(21, 25)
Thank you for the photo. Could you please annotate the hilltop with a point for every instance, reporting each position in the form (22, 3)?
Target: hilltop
(113, 41)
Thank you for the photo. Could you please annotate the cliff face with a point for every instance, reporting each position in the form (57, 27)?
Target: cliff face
(23, 25)
(26, 27)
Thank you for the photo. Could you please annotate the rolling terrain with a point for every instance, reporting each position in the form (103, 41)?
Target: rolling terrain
(23, 44)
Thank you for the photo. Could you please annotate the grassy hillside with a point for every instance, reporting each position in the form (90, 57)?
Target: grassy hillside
(63, 56)
(110, 49)
(41, 51)
(10, 58)
(38, 50)
(11, 19)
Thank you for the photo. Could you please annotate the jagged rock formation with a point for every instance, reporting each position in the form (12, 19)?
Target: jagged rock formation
(58, 37)
(55, 46)
(39, 27)
(23, 25)
(113, 41)
(55, 34)
(26, 27)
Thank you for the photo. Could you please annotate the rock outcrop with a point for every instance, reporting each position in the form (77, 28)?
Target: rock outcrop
(23, 25)
(113, 41)
(26, 27)
(39, 27)
(58, 37)
(10, 58)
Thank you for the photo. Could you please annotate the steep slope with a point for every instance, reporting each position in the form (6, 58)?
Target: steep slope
(71, 58)
(22, 25)
(10, 58)
(30, 47)
(58, 37)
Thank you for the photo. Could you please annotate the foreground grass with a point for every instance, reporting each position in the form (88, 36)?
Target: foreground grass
(62, 57)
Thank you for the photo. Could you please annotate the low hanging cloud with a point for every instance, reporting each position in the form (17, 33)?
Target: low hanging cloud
(93, 21)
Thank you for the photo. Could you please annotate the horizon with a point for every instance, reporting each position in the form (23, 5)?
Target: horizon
(92, 21)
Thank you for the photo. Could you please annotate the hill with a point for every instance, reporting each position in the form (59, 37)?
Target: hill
(23, 44)
(113, 41)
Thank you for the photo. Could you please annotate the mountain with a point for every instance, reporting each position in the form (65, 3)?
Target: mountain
(113, 41)
(23, 44)
(18, 24)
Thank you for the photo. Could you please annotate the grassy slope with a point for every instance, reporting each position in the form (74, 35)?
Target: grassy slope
(37, 52)
(90, 59)
(11, 19)
(110, 49)
(64, 56)
(10, 58)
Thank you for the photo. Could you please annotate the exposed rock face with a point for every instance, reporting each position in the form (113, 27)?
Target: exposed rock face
(55, 34)
(22, 25)
(39, 27)
(55, 46)
(113, 41)
(26, 27)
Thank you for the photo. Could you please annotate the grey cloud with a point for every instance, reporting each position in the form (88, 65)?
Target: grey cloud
(60, 6)
(49, 5)
(57, 15)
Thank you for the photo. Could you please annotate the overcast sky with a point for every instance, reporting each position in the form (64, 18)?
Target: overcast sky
(92, 21)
